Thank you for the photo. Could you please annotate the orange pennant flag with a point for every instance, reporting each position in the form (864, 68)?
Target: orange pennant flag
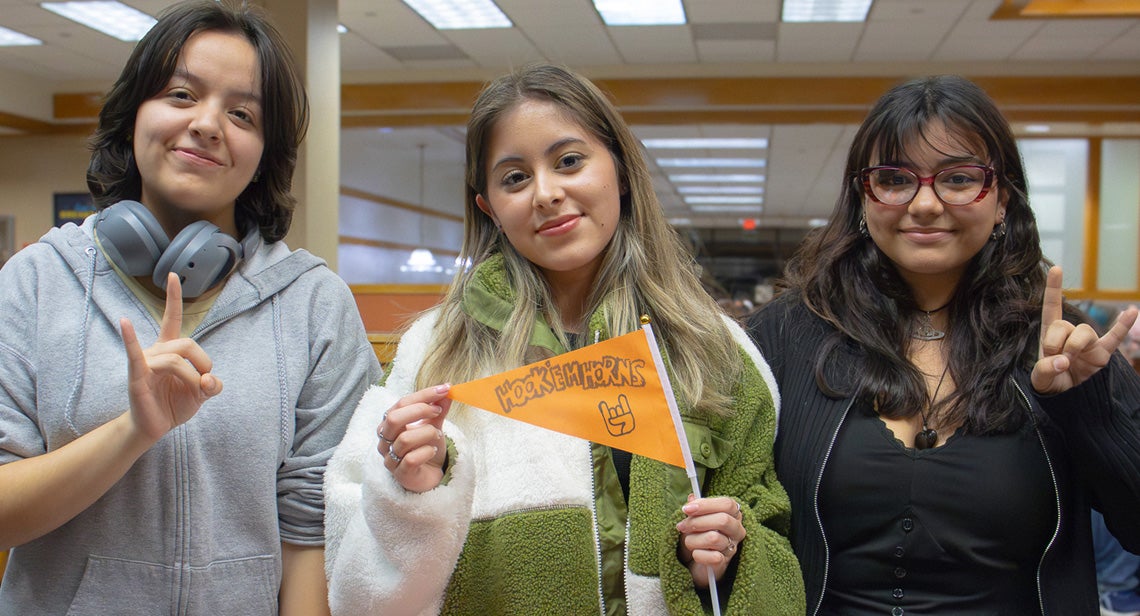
(610, 393)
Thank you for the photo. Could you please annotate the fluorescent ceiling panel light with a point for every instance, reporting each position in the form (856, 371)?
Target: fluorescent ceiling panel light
(732, 209)
(825, 10)
(680, 222)
(817, 222)
(641, 12)
(11, 38)
(702, 200)
(1036, 128)
(704, 143)
(460, 14)
(715, 177)
(111, 18)
(720, 190)
(711, 162)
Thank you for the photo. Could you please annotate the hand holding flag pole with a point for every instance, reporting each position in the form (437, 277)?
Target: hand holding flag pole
(675, 413)
(615, 393)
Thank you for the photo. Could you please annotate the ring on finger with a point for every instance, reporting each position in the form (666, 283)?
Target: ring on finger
(392, 455)
(385, 439)
(731, 546)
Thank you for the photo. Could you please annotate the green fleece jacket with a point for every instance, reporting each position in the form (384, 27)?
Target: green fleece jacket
(533, 522)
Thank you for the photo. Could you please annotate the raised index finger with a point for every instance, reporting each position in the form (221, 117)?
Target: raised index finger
(1051, 302)
(172, 315)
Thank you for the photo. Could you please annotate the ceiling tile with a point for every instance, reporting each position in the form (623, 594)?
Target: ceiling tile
(654, 44)
(390, 23)
(945, 12)
(528, 13)
(732, 11)
(495, 48)
(735, 51)
(817, 42)
(575, 45)
(893, 42)
(357, 54)
(1124, 47)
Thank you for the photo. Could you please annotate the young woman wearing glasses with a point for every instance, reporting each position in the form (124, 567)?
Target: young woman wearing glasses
(947, 421)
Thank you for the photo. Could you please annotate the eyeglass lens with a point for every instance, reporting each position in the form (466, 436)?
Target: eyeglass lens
(956, 185)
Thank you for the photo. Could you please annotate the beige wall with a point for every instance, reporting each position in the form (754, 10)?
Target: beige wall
(32, 169)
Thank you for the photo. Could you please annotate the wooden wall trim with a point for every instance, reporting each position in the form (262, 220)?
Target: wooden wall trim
(1065, 9)
(771, 100)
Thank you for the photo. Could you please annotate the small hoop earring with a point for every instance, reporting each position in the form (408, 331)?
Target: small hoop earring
(863, 230)
(998, 232)
(256, 177)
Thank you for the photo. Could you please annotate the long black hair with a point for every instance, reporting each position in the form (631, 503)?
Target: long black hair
(995, 310)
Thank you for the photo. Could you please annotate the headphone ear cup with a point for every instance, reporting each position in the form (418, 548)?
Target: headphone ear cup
(131, 237)
(202, 255)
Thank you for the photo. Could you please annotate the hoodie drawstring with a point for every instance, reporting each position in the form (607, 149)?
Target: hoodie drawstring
(82, 351)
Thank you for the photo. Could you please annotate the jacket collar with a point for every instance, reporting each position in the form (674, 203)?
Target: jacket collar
(489, 298)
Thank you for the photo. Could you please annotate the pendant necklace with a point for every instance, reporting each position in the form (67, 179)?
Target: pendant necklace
(928, 437)
(924, 329)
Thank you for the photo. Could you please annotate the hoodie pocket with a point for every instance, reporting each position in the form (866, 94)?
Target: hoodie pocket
(245, 587)
(113, 586)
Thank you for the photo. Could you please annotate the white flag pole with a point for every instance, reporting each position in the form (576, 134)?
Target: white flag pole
(690, 468)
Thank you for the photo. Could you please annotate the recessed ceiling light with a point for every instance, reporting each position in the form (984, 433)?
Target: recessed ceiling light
(715, 177)
(678, 144)
(11, 38)
(720, 190)
(460, 14)
(641, 12)
(695, 200)
(111, 18)
(341, 29)
(825, 10)
(711, 162)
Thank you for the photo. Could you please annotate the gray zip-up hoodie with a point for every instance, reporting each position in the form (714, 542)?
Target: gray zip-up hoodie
(195, 526)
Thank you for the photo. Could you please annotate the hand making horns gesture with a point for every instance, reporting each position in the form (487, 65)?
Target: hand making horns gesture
(1070, 354)
(169, 381)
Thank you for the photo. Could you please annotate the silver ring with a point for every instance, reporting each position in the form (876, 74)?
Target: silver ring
(731, 545)
(384, 438)
(392, 455)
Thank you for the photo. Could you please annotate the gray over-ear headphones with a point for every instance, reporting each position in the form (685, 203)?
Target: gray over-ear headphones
(201, 254)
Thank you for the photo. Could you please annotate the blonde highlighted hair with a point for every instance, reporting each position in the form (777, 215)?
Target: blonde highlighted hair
(646, 268)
